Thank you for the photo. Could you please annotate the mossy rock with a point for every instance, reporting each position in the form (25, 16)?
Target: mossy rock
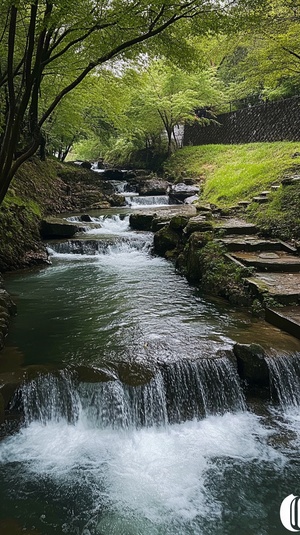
(198, 224)
(165, 240)
(178, 222)
(58, 228)
(141, 221)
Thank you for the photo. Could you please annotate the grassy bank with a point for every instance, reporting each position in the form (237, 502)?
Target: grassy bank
(231, 173)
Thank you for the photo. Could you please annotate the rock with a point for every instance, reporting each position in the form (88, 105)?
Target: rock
(204, 208)
(178, 222)
(141, 221)
(113, 174)
(166, 239)
(117, 200)
(2, 409)
(58, 228)
(190, 264)
(198, 224)
(160, 221)
(94, 375)
(135, 373)
(86, 218)
(180, 192)
(6, 302)
(153, 186)
(86, 165)
(190, 200)
(9, 384)
(251, 364)
(103, 205)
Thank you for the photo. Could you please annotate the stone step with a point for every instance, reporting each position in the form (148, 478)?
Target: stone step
(260, 199)
(235, 227)
(274, 261)
(282, 287)
(264, 193)
(249, 243)
(290, 180)
(275, 187)
(286, 318)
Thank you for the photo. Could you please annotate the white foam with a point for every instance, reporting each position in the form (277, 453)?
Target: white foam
(157, 473)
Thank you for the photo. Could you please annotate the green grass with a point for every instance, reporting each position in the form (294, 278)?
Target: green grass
(231, 173)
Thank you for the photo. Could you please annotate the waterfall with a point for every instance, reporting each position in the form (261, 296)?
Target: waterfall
(284, 371)
(136, 201)
(179, 391)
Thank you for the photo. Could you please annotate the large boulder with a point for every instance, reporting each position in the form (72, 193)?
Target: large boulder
(166, 240)
(112, 174)
(153, 186)
(141, 220)
(198, 224)
(117, 200)
(86, 165)
(251, 364)
(190, 263)
(52, 227)
(180, 192)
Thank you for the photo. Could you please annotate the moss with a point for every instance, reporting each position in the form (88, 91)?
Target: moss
(220, 276)
(280, 218)
(232, 173)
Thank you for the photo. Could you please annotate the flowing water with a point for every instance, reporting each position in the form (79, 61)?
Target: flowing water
(138, 423)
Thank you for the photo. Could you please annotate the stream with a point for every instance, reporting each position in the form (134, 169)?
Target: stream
(138, 423)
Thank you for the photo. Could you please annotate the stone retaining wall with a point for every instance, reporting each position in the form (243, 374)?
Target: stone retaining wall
(270, 121)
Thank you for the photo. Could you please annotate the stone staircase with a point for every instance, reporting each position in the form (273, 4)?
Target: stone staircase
(276, 271)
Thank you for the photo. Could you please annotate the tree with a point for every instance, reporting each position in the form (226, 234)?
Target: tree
(265, 62)
(169, 97)
(66, 40)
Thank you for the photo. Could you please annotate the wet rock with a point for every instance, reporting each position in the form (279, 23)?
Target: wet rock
(85, 374)
(135, 373)
(58, 228)
(251, 364)
(113, 174)
(2, 409)
(180, 192)
(86, 165)
(86, 218)
(198, 224)
(6, 302)
(9, 384)
(166, 239)
(141, 221)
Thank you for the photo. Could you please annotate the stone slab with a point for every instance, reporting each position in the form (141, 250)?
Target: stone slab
(251, 243)
(236, 226)
(286, 318)
(269, 260)
(284, 287)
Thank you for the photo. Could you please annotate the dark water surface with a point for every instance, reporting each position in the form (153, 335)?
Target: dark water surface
(120, 459)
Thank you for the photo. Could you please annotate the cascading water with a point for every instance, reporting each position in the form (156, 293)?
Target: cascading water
(162, 443)
(284, 370)
(181, 391)
(149, 201)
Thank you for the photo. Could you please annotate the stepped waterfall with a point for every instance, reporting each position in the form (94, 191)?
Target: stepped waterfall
(131, 417)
